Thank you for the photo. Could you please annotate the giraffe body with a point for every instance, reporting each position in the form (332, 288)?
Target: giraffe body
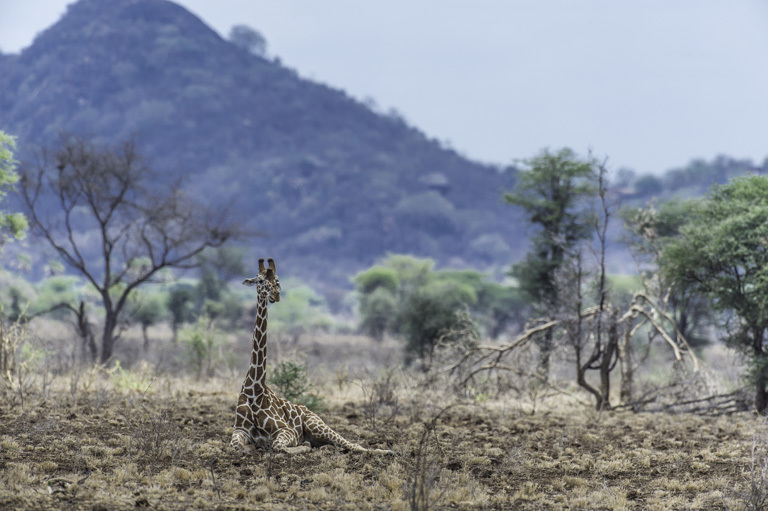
(262, 418)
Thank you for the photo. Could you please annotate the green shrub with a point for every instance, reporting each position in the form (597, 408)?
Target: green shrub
(377, 311)
(292, 383)
(301, 309)
(377, 277)
(428, 315)
(201, 342)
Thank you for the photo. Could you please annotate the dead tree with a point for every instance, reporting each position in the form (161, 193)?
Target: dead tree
(597, 332)
(111, 219)
(578, 330)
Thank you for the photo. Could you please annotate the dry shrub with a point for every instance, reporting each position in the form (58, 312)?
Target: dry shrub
(422, 489)
(755, 496)
(12, 370)
(154, 437)
(381, 403)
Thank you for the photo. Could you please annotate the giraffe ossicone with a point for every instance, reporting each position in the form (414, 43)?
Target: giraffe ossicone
(262, 418)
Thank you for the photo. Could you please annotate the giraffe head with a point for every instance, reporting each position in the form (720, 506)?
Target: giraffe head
(267, 281)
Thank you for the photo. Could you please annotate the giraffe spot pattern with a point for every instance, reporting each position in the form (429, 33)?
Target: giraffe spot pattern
(261, 417)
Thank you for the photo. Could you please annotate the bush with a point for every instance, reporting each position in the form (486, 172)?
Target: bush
(292, 383)
(426, 316)
(201, 342)
(301, 309)
(377, 311)
(405, 296)
(377, 277)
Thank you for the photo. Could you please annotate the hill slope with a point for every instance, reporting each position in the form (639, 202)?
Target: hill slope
(321, 173)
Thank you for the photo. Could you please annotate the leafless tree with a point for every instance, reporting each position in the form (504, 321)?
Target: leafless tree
(111, 219)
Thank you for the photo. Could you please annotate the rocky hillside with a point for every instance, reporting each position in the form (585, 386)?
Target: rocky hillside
(323, 175)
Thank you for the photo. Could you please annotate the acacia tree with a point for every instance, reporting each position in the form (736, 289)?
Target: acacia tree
(722, 251)
(111, 220)
(551, 192)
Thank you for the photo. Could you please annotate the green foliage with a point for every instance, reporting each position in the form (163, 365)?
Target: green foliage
(721, 252)
(377, 277)
(721, 249)
(405, 296)
(426, 316)
(377, 287)
(551, 193)
(13, 224)
(147, 308)
(412, 272)
(202, 341)
(125, 380)
(650, 230)
(301, 310)
(60, 289)
(217, 267)
(378, 311)
(292, 382)
(623, 287)
(16, 295)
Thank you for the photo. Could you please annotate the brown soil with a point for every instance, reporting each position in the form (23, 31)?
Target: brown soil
(117, 451)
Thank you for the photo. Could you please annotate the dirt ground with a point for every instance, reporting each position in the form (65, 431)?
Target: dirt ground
(105, 449)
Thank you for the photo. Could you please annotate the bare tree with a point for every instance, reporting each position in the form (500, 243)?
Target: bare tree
(113, 221)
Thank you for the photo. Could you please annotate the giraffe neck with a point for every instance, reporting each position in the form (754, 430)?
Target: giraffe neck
(258, 370)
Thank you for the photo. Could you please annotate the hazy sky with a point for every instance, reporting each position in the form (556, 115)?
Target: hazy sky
(650, 84)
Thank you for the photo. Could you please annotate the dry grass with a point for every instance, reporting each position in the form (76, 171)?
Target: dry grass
(167, 449)
(143, 437)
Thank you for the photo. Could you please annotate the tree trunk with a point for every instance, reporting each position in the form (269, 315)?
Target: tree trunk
(610, 354)
(761, 397)
(92, 348)
(108, 338)
(86, 334)
(545, 353)
(761, 366)
(144, 327)
(625, 360)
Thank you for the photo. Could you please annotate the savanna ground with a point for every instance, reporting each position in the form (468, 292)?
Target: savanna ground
(146, 437)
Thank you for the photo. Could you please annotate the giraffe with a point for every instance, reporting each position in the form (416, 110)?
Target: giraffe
(262, 418)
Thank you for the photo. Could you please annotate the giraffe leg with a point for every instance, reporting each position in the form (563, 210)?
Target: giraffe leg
(285, 441)
(240, 442)
(319, 431)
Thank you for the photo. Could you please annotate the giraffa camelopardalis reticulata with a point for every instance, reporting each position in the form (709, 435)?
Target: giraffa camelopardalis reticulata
(262, 418)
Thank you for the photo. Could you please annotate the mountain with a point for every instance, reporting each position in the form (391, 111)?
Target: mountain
(326, 178)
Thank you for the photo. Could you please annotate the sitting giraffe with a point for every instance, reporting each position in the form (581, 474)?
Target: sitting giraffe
(262, 418)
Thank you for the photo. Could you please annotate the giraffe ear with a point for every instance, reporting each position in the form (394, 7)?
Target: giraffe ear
(271, 263)
(250, 282)
(261, 265)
